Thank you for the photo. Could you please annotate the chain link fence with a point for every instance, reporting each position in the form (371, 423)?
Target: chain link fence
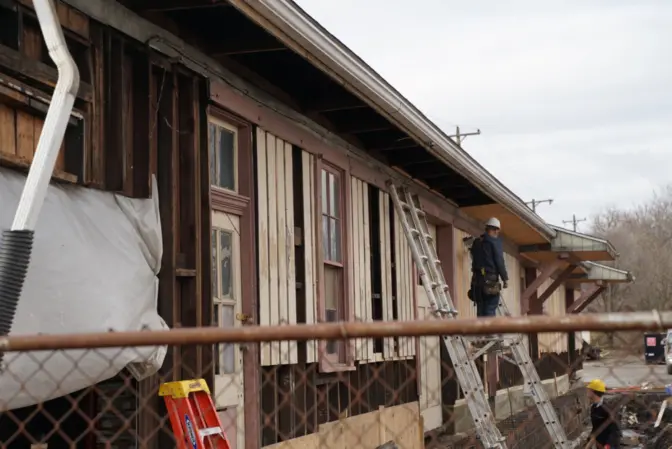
(359, 385)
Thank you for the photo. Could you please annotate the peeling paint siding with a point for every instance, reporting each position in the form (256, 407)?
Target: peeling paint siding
(277, 280)
(360, 264)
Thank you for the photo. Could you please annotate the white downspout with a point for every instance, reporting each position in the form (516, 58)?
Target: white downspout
(42, 167)
(17, 242)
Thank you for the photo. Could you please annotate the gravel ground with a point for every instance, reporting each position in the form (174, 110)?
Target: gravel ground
(625, 371)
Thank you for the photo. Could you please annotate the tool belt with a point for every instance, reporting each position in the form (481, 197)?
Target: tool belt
(488, 284)
(492, 287)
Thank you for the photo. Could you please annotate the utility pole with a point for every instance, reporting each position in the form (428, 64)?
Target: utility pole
(574, 221)
(534, 203)
(459, 137)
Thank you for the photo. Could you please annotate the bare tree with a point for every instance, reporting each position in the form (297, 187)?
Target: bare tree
(643, 237)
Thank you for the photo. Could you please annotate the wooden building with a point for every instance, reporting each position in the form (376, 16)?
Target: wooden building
(272, 144)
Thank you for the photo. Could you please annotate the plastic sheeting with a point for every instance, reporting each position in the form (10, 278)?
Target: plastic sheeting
(94, 268)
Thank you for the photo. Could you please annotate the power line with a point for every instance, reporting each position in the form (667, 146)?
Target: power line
(574, 221)
(459, 137)
(534, 203)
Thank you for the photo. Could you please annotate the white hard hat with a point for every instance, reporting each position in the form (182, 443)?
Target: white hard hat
(493, 223)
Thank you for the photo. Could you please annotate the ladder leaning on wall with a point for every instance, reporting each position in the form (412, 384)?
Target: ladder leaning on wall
(414, 223)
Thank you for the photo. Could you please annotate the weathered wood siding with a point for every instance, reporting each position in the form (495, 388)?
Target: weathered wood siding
(19, 134)
(405, 285)
(277, 280)
(309, 247)
(386, 268)
(361, 295)
(430, 361)
(464, 305)
(554, 306)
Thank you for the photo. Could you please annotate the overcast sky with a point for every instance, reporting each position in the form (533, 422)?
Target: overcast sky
(573, 98)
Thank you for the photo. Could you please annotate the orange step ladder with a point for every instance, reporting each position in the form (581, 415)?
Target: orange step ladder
(193, 415)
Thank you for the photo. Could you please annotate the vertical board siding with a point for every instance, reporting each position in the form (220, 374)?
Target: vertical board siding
(554, 306)
(430, 350)
(511, 295)
(277, 286)
(405, 286)
(464, 305)
(309, 247)
(386, 268)
(360, 289)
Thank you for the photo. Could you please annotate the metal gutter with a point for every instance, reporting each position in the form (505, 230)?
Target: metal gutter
(609, 247)
(300, 32)
(626, 275)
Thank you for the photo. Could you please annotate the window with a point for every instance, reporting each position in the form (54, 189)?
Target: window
(332, 250)
(223, 296)
(223, 148)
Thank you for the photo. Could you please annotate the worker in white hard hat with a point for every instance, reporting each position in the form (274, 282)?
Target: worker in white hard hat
(606, 433)
(488, 267)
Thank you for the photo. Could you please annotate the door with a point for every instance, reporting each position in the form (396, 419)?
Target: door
(226, 288)
(430, 362)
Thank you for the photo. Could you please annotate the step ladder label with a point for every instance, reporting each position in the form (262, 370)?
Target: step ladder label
(190, 431)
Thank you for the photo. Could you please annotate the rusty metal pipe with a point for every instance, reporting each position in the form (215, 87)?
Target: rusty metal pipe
(650, 321)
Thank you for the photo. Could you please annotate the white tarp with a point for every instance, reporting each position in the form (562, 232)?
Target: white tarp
(94, 268)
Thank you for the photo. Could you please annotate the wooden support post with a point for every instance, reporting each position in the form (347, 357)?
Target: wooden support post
(533, 283)
(585, 299)
(536, 306)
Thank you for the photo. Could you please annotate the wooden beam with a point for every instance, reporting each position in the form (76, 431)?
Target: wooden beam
(585, 299)
(26, 68)
(547, 271)
(541, 299)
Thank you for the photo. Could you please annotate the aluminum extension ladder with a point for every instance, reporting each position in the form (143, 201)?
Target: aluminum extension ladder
(414, 223)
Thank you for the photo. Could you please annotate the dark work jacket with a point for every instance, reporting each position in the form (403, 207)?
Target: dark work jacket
(488, 253)
(605, 429)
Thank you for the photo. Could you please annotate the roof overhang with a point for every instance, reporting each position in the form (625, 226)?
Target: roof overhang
(294, 29)
(514, 227)
(579, 247)
(592, 272)
(300, 32)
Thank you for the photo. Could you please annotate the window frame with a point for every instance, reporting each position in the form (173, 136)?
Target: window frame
(329, 363)
(217, 121)
(218, 300)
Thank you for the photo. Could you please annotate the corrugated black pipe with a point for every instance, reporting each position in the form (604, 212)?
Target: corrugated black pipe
(15, 250)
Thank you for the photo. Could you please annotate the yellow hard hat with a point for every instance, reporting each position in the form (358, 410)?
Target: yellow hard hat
(597, 385)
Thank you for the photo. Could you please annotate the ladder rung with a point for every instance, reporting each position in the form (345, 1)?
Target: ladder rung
(210, 431)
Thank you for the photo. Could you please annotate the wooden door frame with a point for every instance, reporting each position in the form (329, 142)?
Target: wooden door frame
(242, 204)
